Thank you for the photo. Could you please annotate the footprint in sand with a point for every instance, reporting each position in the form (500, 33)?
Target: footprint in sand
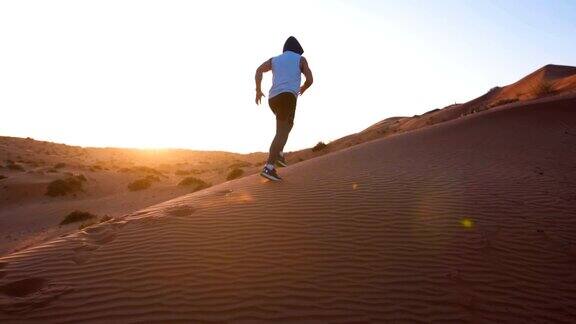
(225, 193)
(180, 211)
(27, 294)
(83, 253)
(22, 288)
(100, 235)
(93, 238)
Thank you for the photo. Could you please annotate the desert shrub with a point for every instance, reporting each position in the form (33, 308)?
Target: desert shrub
(140, 184)
(318, 147)
(544, 88)
(76, 216)
(503, 102)
(239, 164)
(59, 165)
(192, 181)
(62, 187)
(234, 174)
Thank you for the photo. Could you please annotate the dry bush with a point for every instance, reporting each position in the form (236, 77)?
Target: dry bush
(320, 146)
(234, 174)
(76, 216)
(192, 181)
(140, 184)
(62, 187)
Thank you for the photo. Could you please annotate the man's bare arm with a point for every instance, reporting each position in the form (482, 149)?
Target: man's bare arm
(307, 73)
(264, 67)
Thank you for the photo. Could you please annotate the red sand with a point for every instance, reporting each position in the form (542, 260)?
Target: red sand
(471, 220)
(560, 79)
(29, 217)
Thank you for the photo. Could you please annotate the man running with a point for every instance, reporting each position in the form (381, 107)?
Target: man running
(286, 70)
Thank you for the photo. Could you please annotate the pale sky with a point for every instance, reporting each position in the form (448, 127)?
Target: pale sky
(181, 73)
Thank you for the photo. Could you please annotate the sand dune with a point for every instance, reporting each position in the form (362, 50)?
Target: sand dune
(28, 216)
(471, 220)
(550, 80)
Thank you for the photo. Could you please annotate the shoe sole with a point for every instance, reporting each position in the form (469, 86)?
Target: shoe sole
(269, 177)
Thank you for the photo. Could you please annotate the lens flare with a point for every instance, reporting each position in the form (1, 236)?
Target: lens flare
(467, 223)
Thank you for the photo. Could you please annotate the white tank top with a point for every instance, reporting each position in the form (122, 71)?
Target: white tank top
(286, 74)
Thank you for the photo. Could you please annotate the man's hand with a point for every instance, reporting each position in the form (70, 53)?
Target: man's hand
(259, 96)
(302, 90)
(264, 67)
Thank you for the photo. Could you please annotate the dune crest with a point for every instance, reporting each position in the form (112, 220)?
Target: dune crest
(548, 81)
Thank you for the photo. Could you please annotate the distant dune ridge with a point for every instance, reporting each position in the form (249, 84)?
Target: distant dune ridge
(560, 80)
(467, 220)
(41, 185)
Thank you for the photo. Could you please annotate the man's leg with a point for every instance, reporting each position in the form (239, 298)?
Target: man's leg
(283, 128)
(290, 120)
(284, 107)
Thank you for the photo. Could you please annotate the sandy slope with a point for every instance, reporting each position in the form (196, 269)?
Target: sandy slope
(28, 216)
(561, 80)
(471, 220)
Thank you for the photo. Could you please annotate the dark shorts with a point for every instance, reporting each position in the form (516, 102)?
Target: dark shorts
(284, 106)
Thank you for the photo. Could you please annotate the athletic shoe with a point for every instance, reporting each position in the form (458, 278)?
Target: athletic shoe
(282, 161)
(270, 174)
